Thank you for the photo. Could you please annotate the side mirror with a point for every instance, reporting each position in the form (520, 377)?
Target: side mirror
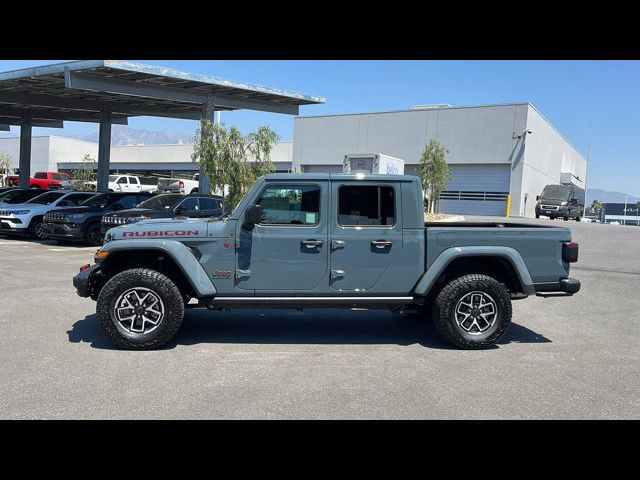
(537, 197)
(252, 215)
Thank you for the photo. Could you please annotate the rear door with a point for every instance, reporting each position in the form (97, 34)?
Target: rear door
(366, 233)
(288, 249)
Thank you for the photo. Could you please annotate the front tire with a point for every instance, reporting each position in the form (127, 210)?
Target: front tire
(93, 235)
(36, 231)
(473, 311)
(140, 309)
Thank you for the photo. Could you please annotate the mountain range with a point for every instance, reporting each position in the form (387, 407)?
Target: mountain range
(121, 135)
(608, 197)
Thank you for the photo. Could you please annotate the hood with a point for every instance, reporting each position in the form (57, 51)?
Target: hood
(72, 210)
(148, 212)
(161, 228)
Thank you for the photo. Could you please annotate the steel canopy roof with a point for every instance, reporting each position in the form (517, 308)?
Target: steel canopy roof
(83, 90)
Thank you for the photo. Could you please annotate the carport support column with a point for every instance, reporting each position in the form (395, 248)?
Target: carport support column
(104, 151)
(25, 151)
(208, 113)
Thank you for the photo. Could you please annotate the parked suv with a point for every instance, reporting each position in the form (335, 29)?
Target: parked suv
(82, 223)
(171, 205)
(27, 218)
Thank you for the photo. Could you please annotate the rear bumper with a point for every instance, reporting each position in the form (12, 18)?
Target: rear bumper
(562, 288)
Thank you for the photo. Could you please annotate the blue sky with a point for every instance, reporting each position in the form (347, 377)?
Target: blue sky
(571, 94)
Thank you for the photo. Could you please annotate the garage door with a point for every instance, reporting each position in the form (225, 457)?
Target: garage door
(477, 190)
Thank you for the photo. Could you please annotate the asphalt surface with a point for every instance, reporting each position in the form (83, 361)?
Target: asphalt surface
(563, 358)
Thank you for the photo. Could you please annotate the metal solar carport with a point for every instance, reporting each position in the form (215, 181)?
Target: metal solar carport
(109, 92)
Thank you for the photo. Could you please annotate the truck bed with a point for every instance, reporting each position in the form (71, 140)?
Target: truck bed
(539, 245)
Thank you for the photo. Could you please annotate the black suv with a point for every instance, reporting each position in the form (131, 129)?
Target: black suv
(82, 223)
(169, 205)
(20, 195)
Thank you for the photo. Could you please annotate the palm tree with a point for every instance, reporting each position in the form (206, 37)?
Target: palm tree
(596, 207)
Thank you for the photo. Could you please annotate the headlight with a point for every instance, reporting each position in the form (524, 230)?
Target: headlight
(563, 203)
(137, 219)
(19, 212)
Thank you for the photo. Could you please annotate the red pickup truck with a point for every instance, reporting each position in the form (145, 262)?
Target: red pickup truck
(42, 180)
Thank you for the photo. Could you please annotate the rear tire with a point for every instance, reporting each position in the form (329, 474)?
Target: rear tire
(537, 216)
(566, 219)
(195, 190)
(144, 286)
(473, 311)
(577, 219)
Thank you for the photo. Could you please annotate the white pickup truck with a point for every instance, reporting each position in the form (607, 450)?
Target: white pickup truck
(127, 183)
(179, 185)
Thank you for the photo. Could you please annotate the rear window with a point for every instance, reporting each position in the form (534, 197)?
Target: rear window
(40, 175)
(366, 205)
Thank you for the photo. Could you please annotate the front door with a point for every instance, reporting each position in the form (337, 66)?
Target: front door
(288, 249)
(366, 233)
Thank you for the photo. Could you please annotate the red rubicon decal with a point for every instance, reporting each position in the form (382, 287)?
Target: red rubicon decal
(161, 233)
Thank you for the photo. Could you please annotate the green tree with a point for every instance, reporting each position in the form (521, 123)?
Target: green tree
(233, 160)
(434, 171)
(596, 207)
(85, 174)
(5, 168)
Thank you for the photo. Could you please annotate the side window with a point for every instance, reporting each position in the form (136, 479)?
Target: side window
(290, 205)
(209, 204)
(190, 203)
(76, 199)
(122, 180)
(129, 201)
(40, 175)
(133, 180)
(366, 205)
(56, 176)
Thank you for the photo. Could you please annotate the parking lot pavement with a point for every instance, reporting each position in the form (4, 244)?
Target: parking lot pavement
(562, 358)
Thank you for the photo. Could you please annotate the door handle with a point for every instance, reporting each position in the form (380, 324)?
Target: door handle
(381, 243)
(336, 274)
(336, 244)
(312, 243)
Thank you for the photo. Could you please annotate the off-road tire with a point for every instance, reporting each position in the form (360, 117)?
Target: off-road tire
(577, 219)
(445, 304)
(195, 190)
(566, 219)
(537, 216)
(160, 285)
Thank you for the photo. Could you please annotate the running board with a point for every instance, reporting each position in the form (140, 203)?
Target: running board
(301, 302)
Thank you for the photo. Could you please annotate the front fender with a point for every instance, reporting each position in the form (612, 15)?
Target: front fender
(447, 256)
(179, 253)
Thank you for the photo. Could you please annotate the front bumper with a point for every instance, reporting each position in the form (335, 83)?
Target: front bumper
(87, 280)
(563, 288)
(63, 231)
(9, 225)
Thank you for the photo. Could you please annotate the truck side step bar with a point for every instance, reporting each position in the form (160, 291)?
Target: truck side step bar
(297, 302)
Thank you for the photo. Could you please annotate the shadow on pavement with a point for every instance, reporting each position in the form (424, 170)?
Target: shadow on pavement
(319, 327)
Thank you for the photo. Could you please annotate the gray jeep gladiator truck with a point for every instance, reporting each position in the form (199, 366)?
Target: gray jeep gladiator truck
(324, 240)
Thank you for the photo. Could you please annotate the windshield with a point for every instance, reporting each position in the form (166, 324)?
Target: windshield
(21, 196)
(100, 201)
(555, 192)
(47, 198)
(162, 202)
(112, 178)
(8, 193)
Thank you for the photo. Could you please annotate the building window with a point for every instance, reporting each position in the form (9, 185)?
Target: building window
(366, 205)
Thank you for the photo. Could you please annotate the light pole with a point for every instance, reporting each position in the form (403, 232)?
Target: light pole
(586, 173)
(624, 219)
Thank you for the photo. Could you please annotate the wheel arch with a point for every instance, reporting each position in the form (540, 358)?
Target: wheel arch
(173, 259)
(503, 263)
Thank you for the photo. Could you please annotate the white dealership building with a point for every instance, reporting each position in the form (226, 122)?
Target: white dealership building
(495, 151)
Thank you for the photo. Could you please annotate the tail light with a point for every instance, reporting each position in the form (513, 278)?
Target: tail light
(180, 184)
(570, 252)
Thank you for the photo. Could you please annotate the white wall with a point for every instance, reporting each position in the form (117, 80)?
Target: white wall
(39, 152)
(63, 149)
(546, 155)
